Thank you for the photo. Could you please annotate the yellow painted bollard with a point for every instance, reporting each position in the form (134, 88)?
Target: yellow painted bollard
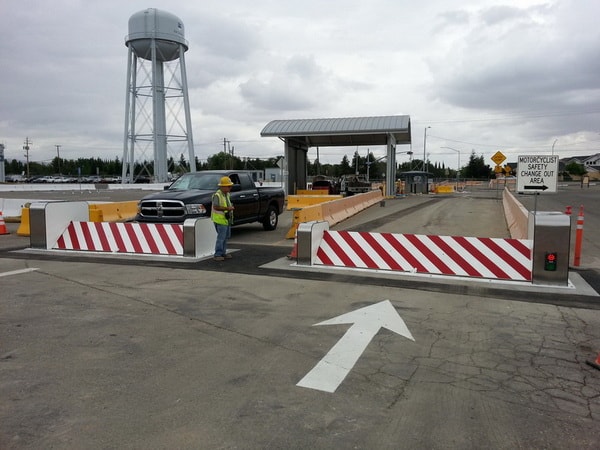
(24, 229)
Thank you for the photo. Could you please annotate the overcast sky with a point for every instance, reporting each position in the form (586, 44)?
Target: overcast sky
(517, 76)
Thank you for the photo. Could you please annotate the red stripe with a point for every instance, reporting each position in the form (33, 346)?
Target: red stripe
(102, 235)
(179, 233)
(431, 257)
(408, 256)
(355, 246)
(384, 254)
(137, 248)
(507, 257)
(149, 238)
(520, 246)
(483, 259)
(114, 228)
(162, 230)
(85, 228)
(456, 257)
(60, 243)
(337, 250)
(73, 235)
(324, 258)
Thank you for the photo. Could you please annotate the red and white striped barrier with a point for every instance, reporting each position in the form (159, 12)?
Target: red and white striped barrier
(118, 237)
(494, 258)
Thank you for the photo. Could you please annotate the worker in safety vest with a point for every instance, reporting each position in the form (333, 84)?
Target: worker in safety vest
(222, 216)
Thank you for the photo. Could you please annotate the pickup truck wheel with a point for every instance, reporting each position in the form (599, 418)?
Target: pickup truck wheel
(271, 219)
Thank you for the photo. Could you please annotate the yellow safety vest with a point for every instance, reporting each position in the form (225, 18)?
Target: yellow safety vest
(219, 216)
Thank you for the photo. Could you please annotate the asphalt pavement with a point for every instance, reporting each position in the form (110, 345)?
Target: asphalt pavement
(103, 352)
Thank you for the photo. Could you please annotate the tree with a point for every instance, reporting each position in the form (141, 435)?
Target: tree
(476, 167)
(576, 169)
(344, 167)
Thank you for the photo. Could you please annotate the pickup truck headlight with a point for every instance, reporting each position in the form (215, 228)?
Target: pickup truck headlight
(195, 209)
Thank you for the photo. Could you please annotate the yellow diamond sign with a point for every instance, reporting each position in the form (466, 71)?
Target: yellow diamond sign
(498, 158)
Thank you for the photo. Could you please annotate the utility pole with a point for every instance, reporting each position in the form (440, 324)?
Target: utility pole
(26, 149)
(58, 156)
(226, 151)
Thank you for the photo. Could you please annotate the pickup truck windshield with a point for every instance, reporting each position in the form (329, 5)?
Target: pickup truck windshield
(202, 181)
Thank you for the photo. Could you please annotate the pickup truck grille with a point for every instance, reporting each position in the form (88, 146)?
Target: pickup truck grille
(162, 208)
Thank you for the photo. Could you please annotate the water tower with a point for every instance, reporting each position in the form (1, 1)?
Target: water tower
(157, 47)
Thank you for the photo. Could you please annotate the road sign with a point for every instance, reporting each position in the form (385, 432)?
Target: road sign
(498, 158)
(537, 174)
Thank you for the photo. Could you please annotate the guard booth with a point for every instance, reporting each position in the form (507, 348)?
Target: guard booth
(416, 182)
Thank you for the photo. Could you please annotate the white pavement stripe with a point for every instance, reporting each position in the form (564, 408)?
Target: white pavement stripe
(17, 272)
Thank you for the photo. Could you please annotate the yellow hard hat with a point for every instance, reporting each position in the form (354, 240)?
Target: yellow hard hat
(225, 181)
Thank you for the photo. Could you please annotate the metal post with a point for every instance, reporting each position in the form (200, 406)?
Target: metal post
(578, 238)
(425, 149)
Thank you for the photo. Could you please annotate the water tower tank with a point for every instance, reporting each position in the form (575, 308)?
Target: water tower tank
(166, 28)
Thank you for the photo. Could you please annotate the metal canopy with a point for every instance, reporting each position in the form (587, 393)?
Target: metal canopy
(349, 131)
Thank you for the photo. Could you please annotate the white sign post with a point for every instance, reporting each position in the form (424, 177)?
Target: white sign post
(537, 174)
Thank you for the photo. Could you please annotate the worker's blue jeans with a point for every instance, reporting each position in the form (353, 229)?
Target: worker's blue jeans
(223, 233)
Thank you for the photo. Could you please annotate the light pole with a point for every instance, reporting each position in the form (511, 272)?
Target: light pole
(554, 143)
(458, 166)
(425, 149)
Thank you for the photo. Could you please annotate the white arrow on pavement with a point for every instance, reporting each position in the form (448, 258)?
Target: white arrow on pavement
(329, 373)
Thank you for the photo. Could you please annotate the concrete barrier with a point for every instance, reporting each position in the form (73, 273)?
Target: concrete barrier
(444, 189)
(12, 207)
(517, 216)
(302, 201)
(113, 212)
(334, 211)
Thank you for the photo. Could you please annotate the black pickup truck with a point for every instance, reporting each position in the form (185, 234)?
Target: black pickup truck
(190, 196)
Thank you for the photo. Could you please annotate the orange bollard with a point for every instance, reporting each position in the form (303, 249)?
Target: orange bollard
(578, 238)
(294, 253)
(3, 229)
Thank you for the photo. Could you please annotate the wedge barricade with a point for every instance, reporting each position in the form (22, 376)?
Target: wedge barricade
(116, 237)
(491, 258)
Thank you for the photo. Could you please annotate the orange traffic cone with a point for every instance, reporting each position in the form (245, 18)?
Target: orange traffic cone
(294, 254)
(595, 363)
(3, 229)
